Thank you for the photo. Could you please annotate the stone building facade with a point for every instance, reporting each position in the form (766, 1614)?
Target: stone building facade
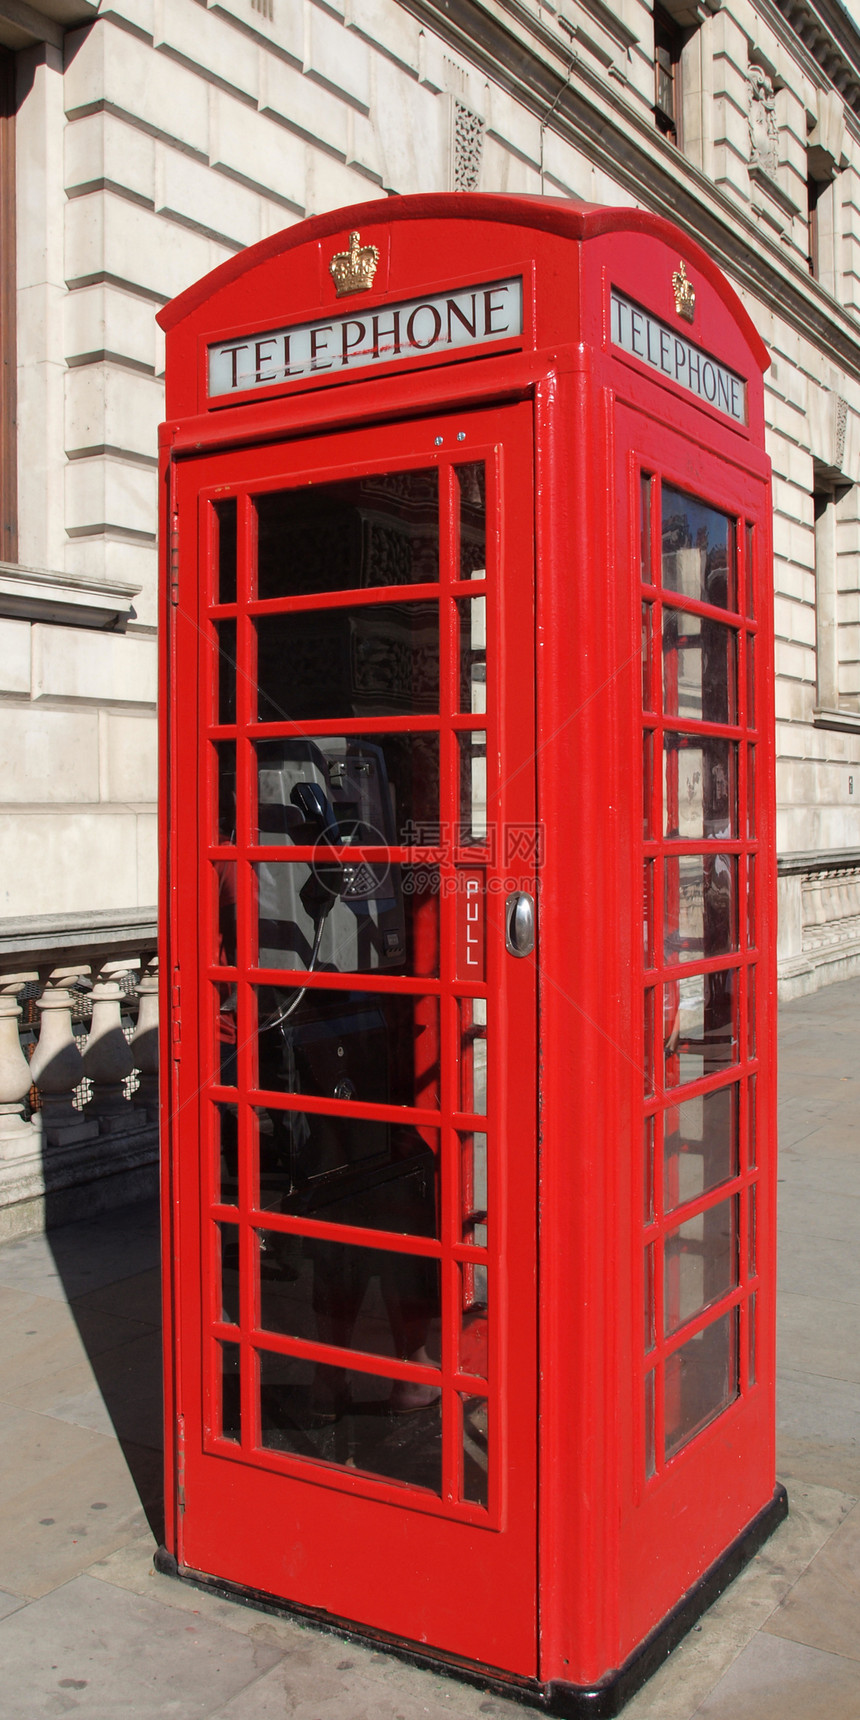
(144, 141)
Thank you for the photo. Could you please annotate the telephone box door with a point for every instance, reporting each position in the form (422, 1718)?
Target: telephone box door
(356, 1177)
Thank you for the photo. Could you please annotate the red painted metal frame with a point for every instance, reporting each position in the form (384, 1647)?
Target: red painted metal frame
(617, 1549)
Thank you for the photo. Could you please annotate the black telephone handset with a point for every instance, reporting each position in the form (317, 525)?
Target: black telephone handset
(316, 809)
(327, 878)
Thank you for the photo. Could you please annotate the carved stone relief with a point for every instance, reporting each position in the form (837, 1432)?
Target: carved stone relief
(467, 146)
(761, 113)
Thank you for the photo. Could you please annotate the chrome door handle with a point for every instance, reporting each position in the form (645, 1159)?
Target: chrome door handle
(520, 923)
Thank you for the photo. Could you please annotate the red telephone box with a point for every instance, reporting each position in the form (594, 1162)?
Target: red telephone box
(469, 925)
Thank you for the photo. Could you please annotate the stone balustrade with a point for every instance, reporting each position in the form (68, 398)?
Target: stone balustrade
(78, 1089)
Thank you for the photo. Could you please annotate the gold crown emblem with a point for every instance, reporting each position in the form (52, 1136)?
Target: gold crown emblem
(353, 270)
(685, 293)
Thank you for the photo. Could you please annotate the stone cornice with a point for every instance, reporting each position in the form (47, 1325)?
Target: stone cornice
(831, 38)
(593, 116)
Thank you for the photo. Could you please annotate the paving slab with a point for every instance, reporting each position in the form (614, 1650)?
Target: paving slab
(818, 1429)
(50, 1336)
(119, 1392)
(815, 1336)
(101, 1652)
(773, 1679)
(822, 1609)
(78, 1258)
(52, 1530)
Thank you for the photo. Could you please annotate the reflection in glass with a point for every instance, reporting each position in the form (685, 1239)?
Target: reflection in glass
(371, 531)
(648, 1042)
(473, 1188)
(645, 489)
(379, 660)
(229, 1243)
(648, 1207)
(379, 788)
(700, 1145)
(349, 1170)
(699, 1018)
(750, 549)
(752, 1145)
(700, 908)
(231, 1407)
(649, 1307)
(650, 1428)
(473, 520)
(699, 668)
(225, 514)
(367, 1299)
(751, 1011)
(648, 913)
(226, 1125)
(475, 1449)
(751, 919)
(750, 808)
(473, 1055)
(647, 783)
(701, 1380)
(698, 550)
(750, 645)
(225, 753)
(474, 1320)
(647, 699)
(338, 1415)
(370, 916)
(473, 787)
(370, 1046)
(226, 1034)
(225, 875)
(700, 1263)
(700, 786)
(225, 645)
(473, 653)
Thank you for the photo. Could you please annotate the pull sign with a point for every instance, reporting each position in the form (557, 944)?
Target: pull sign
(470, 925)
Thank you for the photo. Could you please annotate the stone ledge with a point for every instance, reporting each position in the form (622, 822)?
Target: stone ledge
(58, 1185)
(44, 938)
(67, 599)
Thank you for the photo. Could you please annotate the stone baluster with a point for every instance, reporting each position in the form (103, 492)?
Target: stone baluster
(19, 1138)
(144, 1041)
(57, 1066)
(108, 1057)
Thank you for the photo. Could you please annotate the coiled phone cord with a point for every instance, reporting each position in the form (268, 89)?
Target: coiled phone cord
(277, 1020)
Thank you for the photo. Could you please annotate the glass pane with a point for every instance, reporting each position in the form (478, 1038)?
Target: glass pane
(369, 1046)
(701, 1380)
(700, 1146)
(473, 520)
(750, 807)
(645, 489)
(226, 1125)
(648, 913)
(225, 883)
(700, 912)
(225, 645)
(357, 1419)
(474, 1320)
(699, 668)
(381, 530)
(648, 1206)
(752, 1238)
(473, 1055)
(476, 1453)
(379, 660)
(650, 1429)
(751, 1012)
(647, 687)
(473, 653)
(698, 551)
(231, 1407)
(226, 1035)
(473, 788)
(225, 752)
(225, 513)
(752, 1144)
(647, 783)
(752, 939)
(648, 1042)
(229, 1242)
(751, 1316)
(377, 789)
(349, 1170)
(699, 1026)
(700, 1263)
(473, 1188)
(751, 689)
(359, 918)
(750, 551)
(650, 1334)
(355, 1298)
(700, 787)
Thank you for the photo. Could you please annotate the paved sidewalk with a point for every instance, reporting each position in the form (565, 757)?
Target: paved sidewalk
(88, 1629)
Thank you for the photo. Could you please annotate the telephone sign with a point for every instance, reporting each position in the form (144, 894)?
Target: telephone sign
(467, 857)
